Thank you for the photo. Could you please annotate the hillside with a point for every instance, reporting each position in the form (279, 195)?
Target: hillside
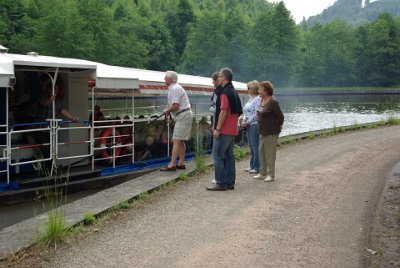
(356, 11)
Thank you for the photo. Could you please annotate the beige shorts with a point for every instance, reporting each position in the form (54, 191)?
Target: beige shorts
(183, 126)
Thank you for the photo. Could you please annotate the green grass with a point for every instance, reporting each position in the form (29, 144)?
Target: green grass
(182, 176)
(55, 229)
(392, 120)
(88, 218)
(200, 157)
(126, 204)
(240, 152)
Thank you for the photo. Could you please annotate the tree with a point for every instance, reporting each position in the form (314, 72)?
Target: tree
(97, 21)
(62, 32)
(161, 50)
(204, 49)
(274, 45)
(237, 38)
(329, 58)
(384, 56)
(180, 21)
(16, 28)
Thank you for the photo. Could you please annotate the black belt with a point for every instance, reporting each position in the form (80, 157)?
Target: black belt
(184, 110)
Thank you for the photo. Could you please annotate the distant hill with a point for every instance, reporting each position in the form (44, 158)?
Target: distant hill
(356, 11)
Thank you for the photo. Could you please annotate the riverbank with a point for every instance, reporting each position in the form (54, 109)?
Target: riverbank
(314, 177)
(338, 91)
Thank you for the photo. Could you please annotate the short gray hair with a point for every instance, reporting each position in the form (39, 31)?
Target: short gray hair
(173, 75)
(227, 73)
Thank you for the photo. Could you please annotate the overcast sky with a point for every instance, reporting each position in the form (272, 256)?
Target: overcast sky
(305, 8)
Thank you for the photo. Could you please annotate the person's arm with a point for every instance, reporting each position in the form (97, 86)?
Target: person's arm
(68, 115)
(48, 101)
(278, 112)
(255, 105)
(222, 115)
(221, 121)
(171, 108)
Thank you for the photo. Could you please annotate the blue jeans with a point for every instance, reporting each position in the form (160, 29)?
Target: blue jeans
(224, 160)
(254, 140)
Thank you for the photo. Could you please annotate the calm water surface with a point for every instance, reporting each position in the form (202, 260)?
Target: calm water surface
(307, 113)
(302, 113)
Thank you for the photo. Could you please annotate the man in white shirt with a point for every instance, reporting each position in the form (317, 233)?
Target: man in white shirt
(179, 107)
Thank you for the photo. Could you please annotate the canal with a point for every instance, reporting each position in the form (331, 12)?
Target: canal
(303, 113)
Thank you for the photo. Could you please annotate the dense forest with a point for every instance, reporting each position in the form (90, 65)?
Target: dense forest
(356, 11)
(258, 40)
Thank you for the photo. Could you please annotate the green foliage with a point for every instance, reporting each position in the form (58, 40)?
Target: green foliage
(200, 156)
(126, 204)
(204, 48)
(240, 152)
(257, 39)
(55, 230)
(354, 13)
(393, 120)
(88, 218)
(182, 176)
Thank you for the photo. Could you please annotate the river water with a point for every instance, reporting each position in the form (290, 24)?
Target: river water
(307, 113)
(302, 113)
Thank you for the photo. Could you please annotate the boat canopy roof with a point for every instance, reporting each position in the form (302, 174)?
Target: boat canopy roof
(6, 71)
(107, 76)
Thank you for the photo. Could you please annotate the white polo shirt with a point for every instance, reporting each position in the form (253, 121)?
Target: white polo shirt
(176, 94)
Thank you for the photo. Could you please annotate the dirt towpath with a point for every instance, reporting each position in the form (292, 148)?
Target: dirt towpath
(319, 212)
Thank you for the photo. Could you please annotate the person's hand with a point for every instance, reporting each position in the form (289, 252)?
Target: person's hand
(167, 118)
(216, 134)
(75, 118)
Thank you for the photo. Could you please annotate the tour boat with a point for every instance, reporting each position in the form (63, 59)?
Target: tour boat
(104, 146)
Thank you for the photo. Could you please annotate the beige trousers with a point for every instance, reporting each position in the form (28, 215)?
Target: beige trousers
(267, 154)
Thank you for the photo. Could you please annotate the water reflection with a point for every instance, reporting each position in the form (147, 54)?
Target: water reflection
(302, 113)
(307, 113)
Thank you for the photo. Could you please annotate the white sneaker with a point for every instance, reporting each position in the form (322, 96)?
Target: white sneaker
(259, 177)
(247, 169)
(253, 171)
(268, 178)
(214, 181)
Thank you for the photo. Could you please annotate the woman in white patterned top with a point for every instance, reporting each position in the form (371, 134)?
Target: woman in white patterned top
(251, 125)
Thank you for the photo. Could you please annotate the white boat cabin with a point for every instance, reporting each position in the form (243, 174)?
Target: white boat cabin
(27, 84)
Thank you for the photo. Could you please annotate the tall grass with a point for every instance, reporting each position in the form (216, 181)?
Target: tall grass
(393, 120)
(200, 156)
(55, 230)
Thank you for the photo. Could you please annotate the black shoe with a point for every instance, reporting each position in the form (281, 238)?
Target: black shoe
(181, 167)
(216, 187)
(168, 168)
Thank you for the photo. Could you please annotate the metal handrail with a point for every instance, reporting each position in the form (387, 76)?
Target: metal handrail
(11, 148)
(59, 144)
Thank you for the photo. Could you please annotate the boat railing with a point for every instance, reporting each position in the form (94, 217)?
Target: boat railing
(72, 127)
(108, 143)
(90, 136)
(3, 150)
(24, 153)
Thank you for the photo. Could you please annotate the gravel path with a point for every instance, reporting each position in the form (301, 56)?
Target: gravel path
(317, 213)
